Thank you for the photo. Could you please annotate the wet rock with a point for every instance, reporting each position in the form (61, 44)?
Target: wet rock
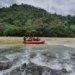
(30, 69)
(4, 63)
(33, 69)
(3, 58)
(56, 72)
(15, 60)
(46, 70)
(4, 66)
(32, 54)
(64, 70)
(23, 67)
(19, 70)
(48, 54)
(16, 71)
(73, 56)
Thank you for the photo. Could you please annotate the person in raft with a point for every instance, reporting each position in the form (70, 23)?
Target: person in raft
(36, 39)
(24, 38)
(30, 39)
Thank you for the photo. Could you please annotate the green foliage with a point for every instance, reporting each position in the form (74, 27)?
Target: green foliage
(25, 20)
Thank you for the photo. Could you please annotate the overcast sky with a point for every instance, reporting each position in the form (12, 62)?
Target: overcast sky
(63, 7)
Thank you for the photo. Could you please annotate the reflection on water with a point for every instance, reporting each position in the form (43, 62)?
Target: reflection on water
(52, 60)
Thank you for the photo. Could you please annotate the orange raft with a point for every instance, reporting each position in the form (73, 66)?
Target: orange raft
(33, 41)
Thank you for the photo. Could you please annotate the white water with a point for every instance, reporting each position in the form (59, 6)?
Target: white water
(70, 45)
(62, 60)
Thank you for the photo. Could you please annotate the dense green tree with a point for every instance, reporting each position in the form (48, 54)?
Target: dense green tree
(26, 20)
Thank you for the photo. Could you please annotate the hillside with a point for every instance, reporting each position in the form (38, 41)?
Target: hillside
(26, 20)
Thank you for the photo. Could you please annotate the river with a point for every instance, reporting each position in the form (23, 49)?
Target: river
(41, 60)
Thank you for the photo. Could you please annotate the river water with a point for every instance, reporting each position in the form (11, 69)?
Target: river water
(50, 60)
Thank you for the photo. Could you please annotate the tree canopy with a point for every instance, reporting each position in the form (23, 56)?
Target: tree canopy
(26, 20)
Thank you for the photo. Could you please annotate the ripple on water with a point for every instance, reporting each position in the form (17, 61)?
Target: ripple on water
(57, 60)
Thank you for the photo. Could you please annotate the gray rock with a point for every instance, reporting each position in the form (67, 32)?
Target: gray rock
(4, 66)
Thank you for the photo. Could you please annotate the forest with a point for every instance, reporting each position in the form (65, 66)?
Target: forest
(26, 20)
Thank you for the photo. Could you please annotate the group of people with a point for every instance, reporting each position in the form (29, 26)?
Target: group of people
(31, 39)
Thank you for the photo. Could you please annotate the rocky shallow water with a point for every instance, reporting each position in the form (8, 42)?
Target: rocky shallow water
(52, 60)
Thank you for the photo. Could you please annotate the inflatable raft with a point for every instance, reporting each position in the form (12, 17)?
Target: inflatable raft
(32, 41)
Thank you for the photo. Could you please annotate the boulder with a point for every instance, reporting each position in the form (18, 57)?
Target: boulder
(4, 66)
(48, 54)
(32, 54)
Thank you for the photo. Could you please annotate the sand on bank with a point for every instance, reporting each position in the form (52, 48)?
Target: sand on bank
(48, 41)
